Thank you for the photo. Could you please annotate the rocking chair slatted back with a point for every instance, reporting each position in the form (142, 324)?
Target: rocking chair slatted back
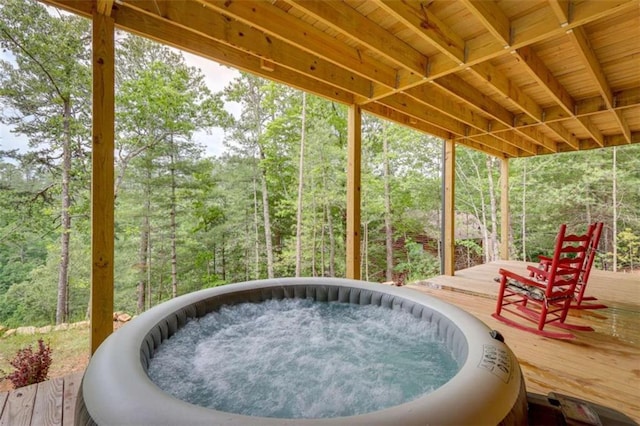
(544, 297)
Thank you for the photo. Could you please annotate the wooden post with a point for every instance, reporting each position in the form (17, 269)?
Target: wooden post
(504, 209)
(353, 192)
(102, 181)
(449, 208)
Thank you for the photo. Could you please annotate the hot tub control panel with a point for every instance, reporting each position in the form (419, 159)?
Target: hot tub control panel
(497, 361)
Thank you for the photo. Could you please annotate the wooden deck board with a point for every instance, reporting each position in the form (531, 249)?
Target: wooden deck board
(602, 366)
(48, 403)
(18, 409)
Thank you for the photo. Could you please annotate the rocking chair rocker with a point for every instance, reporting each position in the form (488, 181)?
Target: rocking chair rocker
(546, 295)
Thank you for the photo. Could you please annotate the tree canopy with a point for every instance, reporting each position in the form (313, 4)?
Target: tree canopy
(272, 205)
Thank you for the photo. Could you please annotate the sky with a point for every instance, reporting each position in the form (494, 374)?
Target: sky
(216, 78)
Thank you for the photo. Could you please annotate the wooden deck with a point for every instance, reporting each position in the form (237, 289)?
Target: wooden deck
(44, 404)
(602, 366)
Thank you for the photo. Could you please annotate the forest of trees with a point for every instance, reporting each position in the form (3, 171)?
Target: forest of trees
(273, 204)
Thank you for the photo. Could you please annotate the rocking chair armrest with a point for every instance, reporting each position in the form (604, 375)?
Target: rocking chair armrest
(544, 259)
(521, 279)
(537, 271)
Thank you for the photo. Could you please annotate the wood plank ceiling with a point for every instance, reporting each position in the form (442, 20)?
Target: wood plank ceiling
(512, 78)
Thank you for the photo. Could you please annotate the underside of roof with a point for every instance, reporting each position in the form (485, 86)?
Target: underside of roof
(512, 78)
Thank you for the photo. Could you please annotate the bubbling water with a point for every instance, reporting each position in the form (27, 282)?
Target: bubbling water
(296, 358)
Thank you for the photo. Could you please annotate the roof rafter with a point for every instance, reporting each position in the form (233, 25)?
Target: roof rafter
(561, 8)
(240, 36)
(457, 87)
(403, 102)
(278, 23)
(363, 53)
(410, 121)
(492, 18)
(427, 26)
(588, 57)
(345, 19)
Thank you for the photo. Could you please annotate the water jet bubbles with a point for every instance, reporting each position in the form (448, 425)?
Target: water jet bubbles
(296, 358)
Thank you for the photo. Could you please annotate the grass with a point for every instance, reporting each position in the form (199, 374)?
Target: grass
(69, 351)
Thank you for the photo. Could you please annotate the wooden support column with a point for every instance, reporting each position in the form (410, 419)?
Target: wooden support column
(449, 242)
(102, 181)
(504, 209)
(354, 153)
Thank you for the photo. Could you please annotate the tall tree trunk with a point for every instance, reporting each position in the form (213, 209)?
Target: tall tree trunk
(314, 235)
(143, 258)
(329, 216)
(388, 231)
(149, 286)
(62, 307)
(494, 210)
(365, 252)
(332, 243)
(172, 214)
(223, 260)
(614, 224)
(256, 231)
(267, 221)
(524, 211)
(300, 188)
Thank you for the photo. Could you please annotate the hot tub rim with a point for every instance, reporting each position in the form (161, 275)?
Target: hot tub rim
(478, 389)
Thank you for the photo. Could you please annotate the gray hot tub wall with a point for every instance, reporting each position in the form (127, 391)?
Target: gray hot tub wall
(101, 389)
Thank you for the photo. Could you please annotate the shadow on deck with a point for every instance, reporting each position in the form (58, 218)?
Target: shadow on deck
(602, 366)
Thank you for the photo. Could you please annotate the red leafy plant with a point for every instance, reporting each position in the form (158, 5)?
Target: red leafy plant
(30, 367)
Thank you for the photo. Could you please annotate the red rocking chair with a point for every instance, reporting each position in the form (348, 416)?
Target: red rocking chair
(545, 296)
(581, 286)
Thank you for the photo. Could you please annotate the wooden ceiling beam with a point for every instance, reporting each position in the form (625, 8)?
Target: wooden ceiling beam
(588, 57)
(542, 23)
(426, 25)
(534, 135)
(456, 86)
(511, 149)
(507, 89)
(474, 99)
(519, 141)
(343, 18)
(609, 141)
(485, 147)
(429, 94)
(155, 27)
(564, 134)
(541, 74)
(624, 125)
(561, 8)
(595, 133)
(623, 99)
(492, 18)
(407, 105)
(556, 91)
(240, 36)
(278, 23)
(388, 113)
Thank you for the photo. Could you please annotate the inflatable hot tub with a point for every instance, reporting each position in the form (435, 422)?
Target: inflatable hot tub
(487, 389)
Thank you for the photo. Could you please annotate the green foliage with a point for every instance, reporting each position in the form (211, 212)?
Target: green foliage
(628, 250)
(230, 210)
(419, 264)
